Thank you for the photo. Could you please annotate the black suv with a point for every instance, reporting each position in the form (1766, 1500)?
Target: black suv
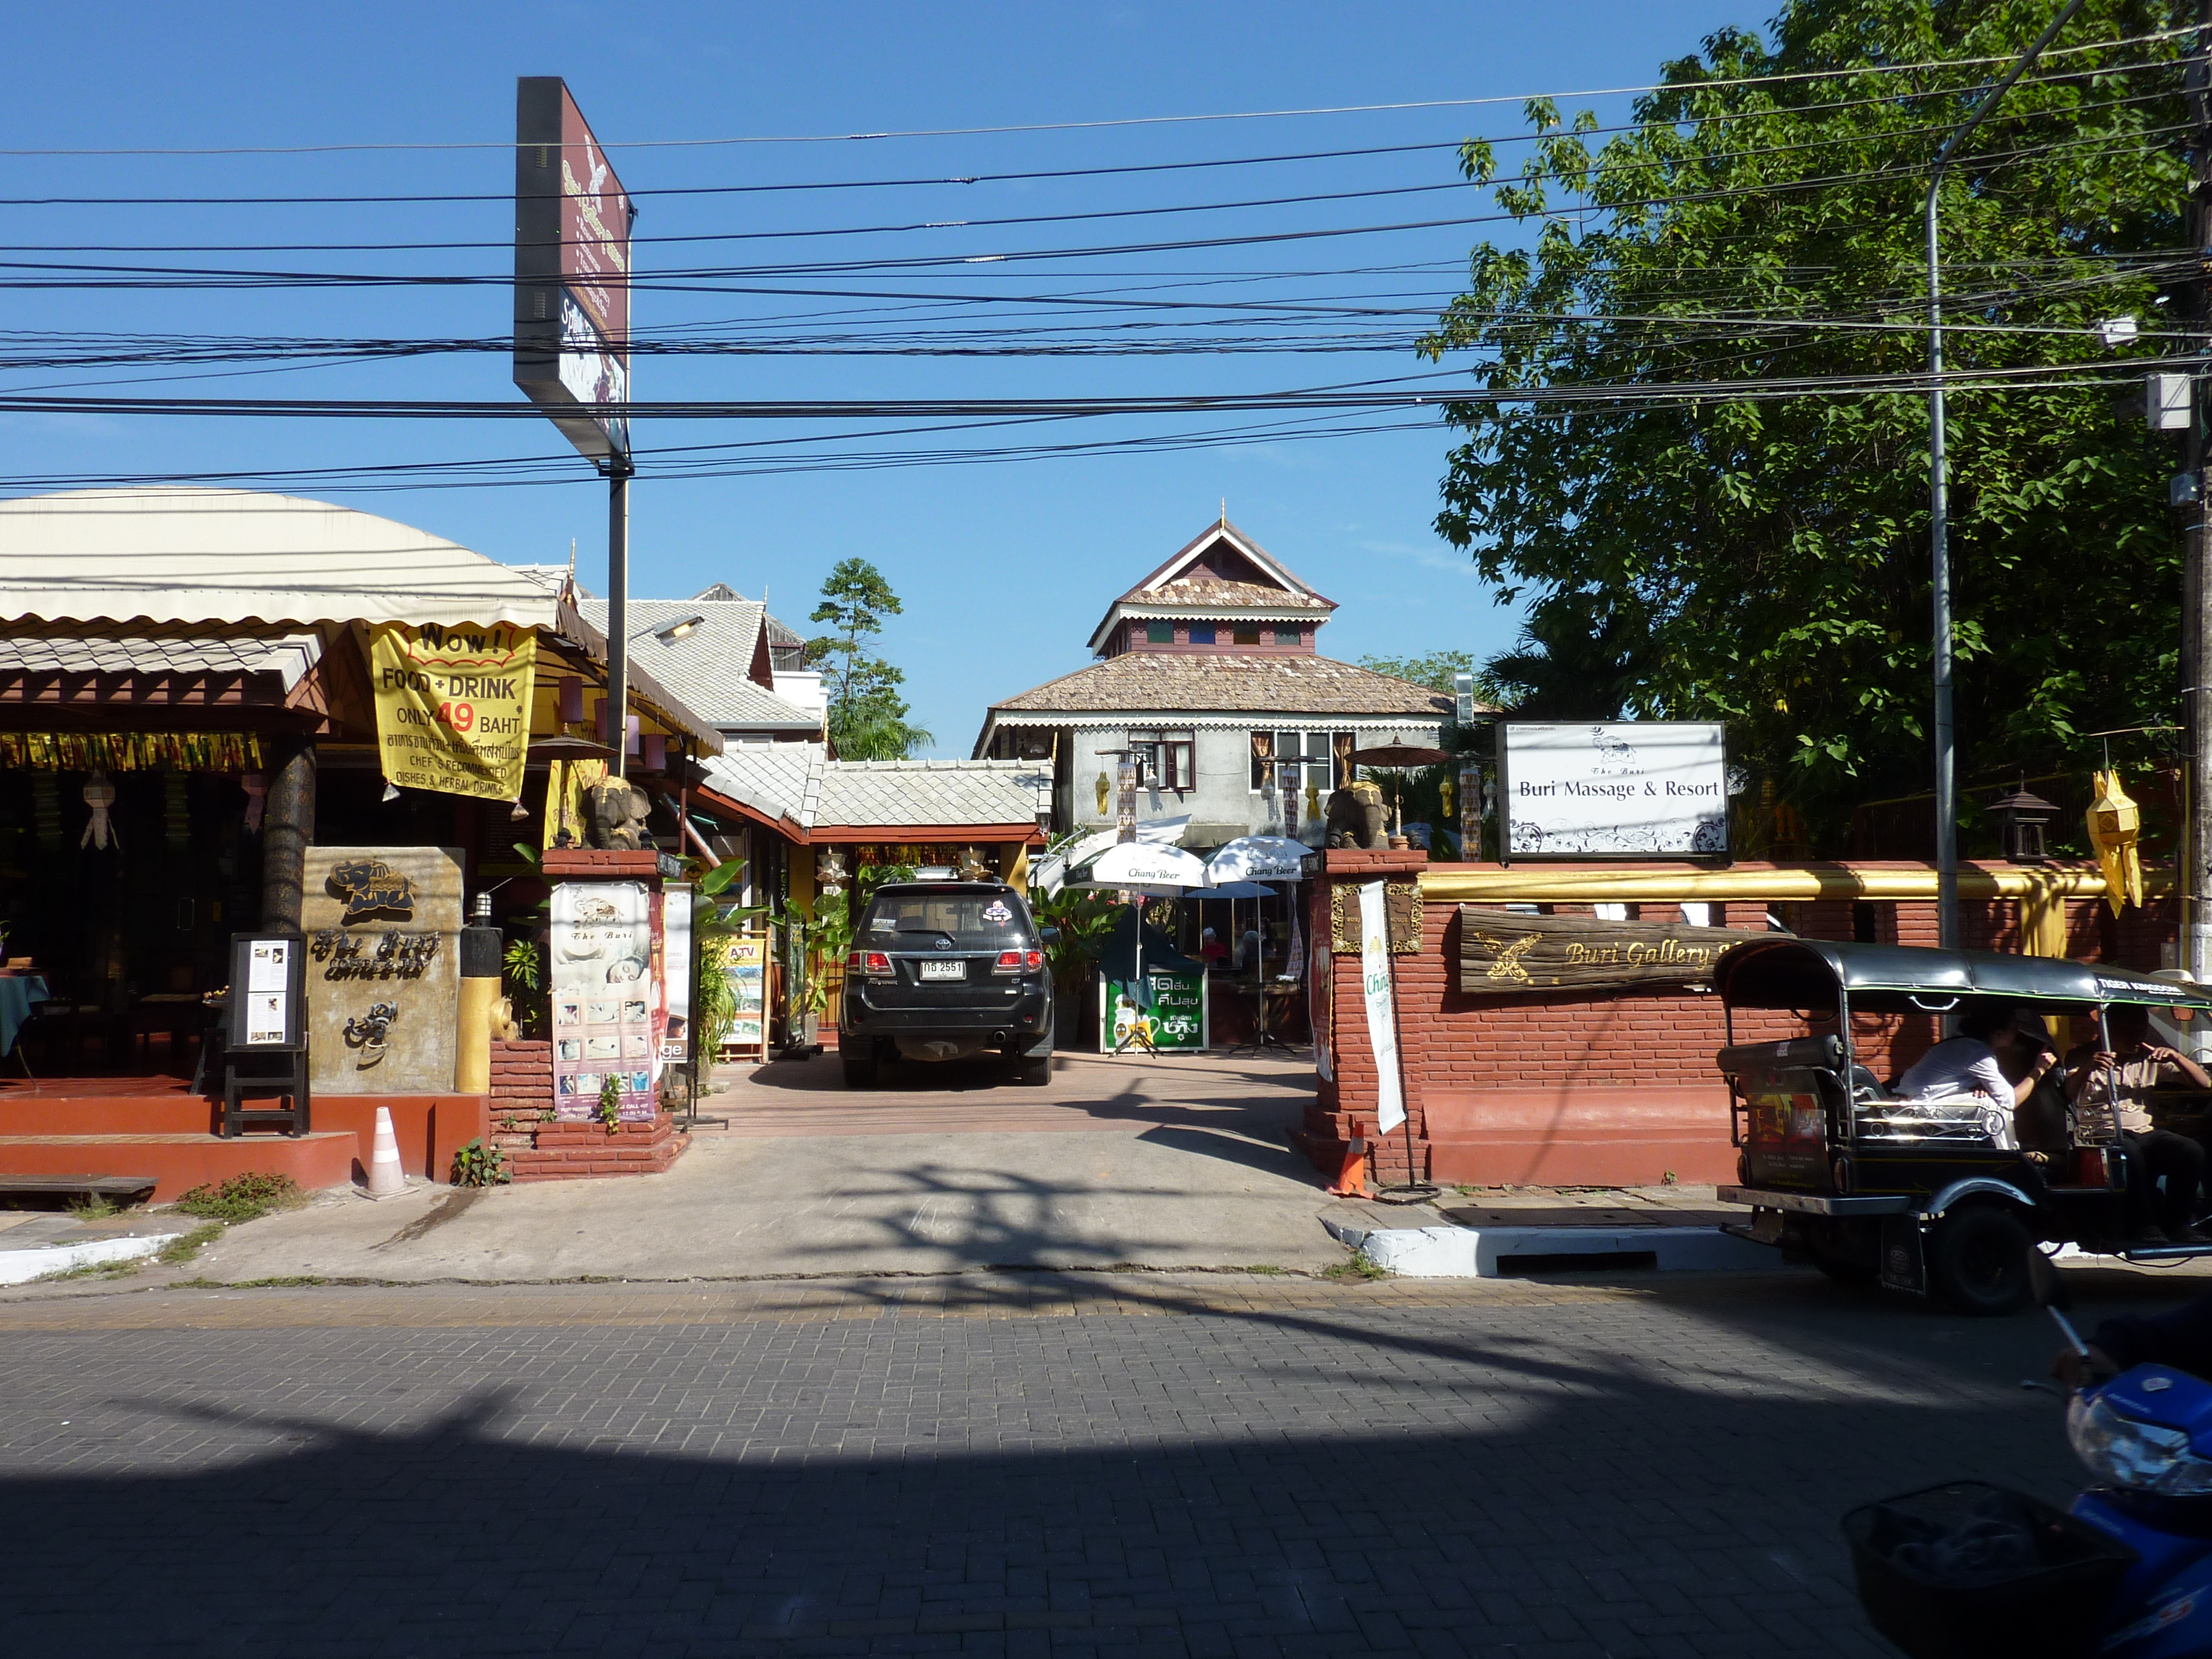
(942, 971)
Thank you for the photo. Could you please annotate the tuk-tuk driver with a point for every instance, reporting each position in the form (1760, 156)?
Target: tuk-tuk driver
(2123, 1071)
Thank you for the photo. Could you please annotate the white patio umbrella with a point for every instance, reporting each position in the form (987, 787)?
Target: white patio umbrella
(1259, 857)
(1050, 871)
(1149, 871)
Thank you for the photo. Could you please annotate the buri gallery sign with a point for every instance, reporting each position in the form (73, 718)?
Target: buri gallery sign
(1505, 952)
(1630, 789)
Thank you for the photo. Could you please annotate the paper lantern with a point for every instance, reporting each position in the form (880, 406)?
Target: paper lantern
(2115, 824)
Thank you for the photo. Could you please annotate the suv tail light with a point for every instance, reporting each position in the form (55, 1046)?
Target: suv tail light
(874, 964)
(1018, 962)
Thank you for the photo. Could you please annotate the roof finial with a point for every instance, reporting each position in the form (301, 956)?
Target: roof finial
(572, 557)
(1225, 512)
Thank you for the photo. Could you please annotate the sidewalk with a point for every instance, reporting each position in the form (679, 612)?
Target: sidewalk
(1162, 1163)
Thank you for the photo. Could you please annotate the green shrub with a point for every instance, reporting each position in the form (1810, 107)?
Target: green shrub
(479, 1165)
(243, 1197)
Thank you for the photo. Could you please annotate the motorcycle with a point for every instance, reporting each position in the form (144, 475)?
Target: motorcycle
(2125, 1573)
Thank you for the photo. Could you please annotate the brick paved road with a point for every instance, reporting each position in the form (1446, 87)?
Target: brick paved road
(1174, 1465)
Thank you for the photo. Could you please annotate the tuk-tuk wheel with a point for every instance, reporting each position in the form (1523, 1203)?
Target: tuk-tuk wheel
(1977, 1260)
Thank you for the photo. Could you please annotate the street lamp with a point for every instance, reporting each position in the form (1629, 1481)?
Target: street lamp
(1939, 512)
(669, 633)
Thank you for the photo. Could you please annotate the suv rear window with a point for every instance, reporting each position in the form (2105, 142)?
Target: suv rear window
(923, 921)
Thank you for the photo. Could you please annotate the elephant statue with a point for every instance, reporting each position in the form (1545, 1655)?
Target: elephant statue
(614, 813)
(1356, 816)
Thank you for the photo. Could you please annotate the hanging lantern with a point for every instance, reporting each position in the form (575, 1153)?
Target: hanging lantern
(2115, 822)
(2021, 820)
(99, 796)
(829, 873)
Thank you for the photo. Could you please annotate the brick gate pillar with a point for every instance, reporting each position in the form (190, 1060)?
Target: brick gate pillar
(1348, 1095)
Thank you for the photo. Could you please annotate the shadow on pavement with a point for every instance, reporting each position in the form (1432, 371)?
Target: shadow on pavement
(1463, 1482)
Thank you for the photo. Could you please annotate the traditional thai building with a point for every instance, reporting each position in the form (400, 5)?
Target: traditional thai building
(1209, 677)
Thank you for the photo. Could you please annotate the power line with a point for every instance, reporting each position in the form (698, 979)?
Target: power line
(1713, 83)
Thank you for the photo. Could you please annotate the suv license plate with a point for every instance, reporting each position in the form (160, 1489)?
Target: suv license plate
(953, 970)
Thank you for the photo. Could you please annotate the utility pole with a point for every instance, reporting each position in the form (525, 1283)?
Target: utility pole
(1939, 505)
(2196, 580)
(616, 736)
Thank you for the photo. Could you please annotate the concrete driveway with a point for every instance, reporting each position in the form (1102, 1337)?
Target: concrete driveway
(1155, 1162)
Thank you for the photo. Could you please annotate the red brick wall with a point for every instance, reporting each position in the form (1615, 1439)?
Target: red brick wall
(521, 1078)
(1570, 1087)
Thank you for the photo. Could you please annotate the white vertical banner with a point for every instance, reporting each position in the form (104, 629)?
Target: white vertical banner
(1381, 1017)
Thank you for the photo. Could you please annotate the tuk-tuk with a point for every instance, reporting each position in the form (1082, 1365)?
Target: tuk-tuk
(1923, 1195)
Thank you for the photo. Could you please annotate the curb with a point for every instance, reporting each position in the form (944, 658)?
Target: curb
(1490, 1252)
(22, 1267)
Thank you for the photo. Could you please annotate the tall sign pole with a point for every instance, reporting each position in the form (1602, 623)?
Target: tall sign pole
(572, 296)
(2196, 857)
(1939, 506)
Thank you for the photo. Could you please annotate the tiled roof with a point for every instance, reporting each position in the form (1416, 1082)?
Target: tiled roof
(798, 782)
(1145, 681)
(1213, 591)
(890, 792)
(708, 667)
(777, 780)
(290, 656)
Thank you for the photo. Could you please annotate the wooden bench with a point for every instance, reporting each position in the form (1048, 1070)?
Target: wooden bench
(66, 1186)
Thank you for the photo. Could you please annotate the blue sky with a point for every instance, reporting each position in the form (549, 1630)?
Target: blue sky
(1005, 566)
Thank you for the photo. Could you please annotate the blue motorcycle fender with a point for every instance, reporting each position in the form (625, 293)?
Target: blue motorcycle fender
(2164, 1607)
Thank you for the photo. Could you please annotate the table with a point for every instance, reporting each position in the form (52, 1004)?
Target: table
(17, 993)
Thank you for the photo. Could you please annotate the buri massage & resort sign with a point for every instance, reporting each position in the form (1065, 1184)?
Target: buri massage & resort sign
(1508, 953)
(1621, 789)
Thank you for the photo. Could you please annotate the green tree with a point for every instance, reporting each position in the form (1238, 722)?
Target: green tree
(1708, 538)
(867, 715)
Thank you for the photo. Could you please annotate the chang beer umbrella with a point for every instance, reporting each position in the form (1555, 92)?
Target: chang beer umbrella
(1149, 871)
(2115, 823)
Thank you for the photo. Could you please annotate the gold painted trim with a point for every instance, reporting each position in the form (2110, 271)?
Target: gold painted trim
(1539, 883)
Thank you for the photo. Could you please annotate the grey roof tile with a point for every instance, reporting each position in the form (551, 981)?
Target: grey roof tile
(708, 667)
(287, 655)
(1270, 687)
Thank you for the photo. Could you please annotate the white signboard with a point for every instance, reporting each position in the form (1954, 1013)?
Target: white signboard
(1381, 1009)
(1635, 789)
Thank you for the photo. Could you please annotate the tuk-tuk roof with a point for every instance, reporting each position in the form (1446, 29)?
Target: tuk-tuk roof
(1805, 973)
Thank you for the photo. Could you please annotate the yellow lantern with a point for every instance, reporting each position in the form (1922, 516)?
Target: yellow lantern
(2115, 823)
(1445, 787)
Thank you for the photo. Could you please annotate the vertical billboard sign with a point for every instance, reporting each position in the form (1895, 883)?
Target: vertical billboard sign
(572, 270)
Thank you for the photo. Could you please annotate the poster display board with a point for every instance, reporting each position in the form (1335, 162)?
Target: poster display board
(1625, 789)
(268, 992)
(744, 964)
(453, 706)
(676, 954)
(609, 1015)
(1176, 1010)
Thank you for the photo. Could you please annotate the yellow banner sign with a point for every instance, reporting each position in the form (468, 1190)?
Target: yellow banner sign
(453, 706)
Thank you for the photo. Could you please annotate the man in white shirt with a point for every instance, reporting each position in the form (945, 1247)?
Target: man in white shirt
(1967, 1064)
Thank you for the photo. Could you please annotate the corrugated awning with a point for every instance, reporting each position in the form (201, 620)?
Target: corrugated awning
(171, 555)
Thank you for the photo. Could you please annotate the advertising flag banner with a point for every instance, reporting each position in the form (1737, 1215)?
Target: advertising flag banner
(453, 706)
(1381, 1015)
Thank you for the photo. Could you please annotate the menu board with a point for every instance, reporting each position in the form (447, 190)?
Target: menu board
(609, 1011)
